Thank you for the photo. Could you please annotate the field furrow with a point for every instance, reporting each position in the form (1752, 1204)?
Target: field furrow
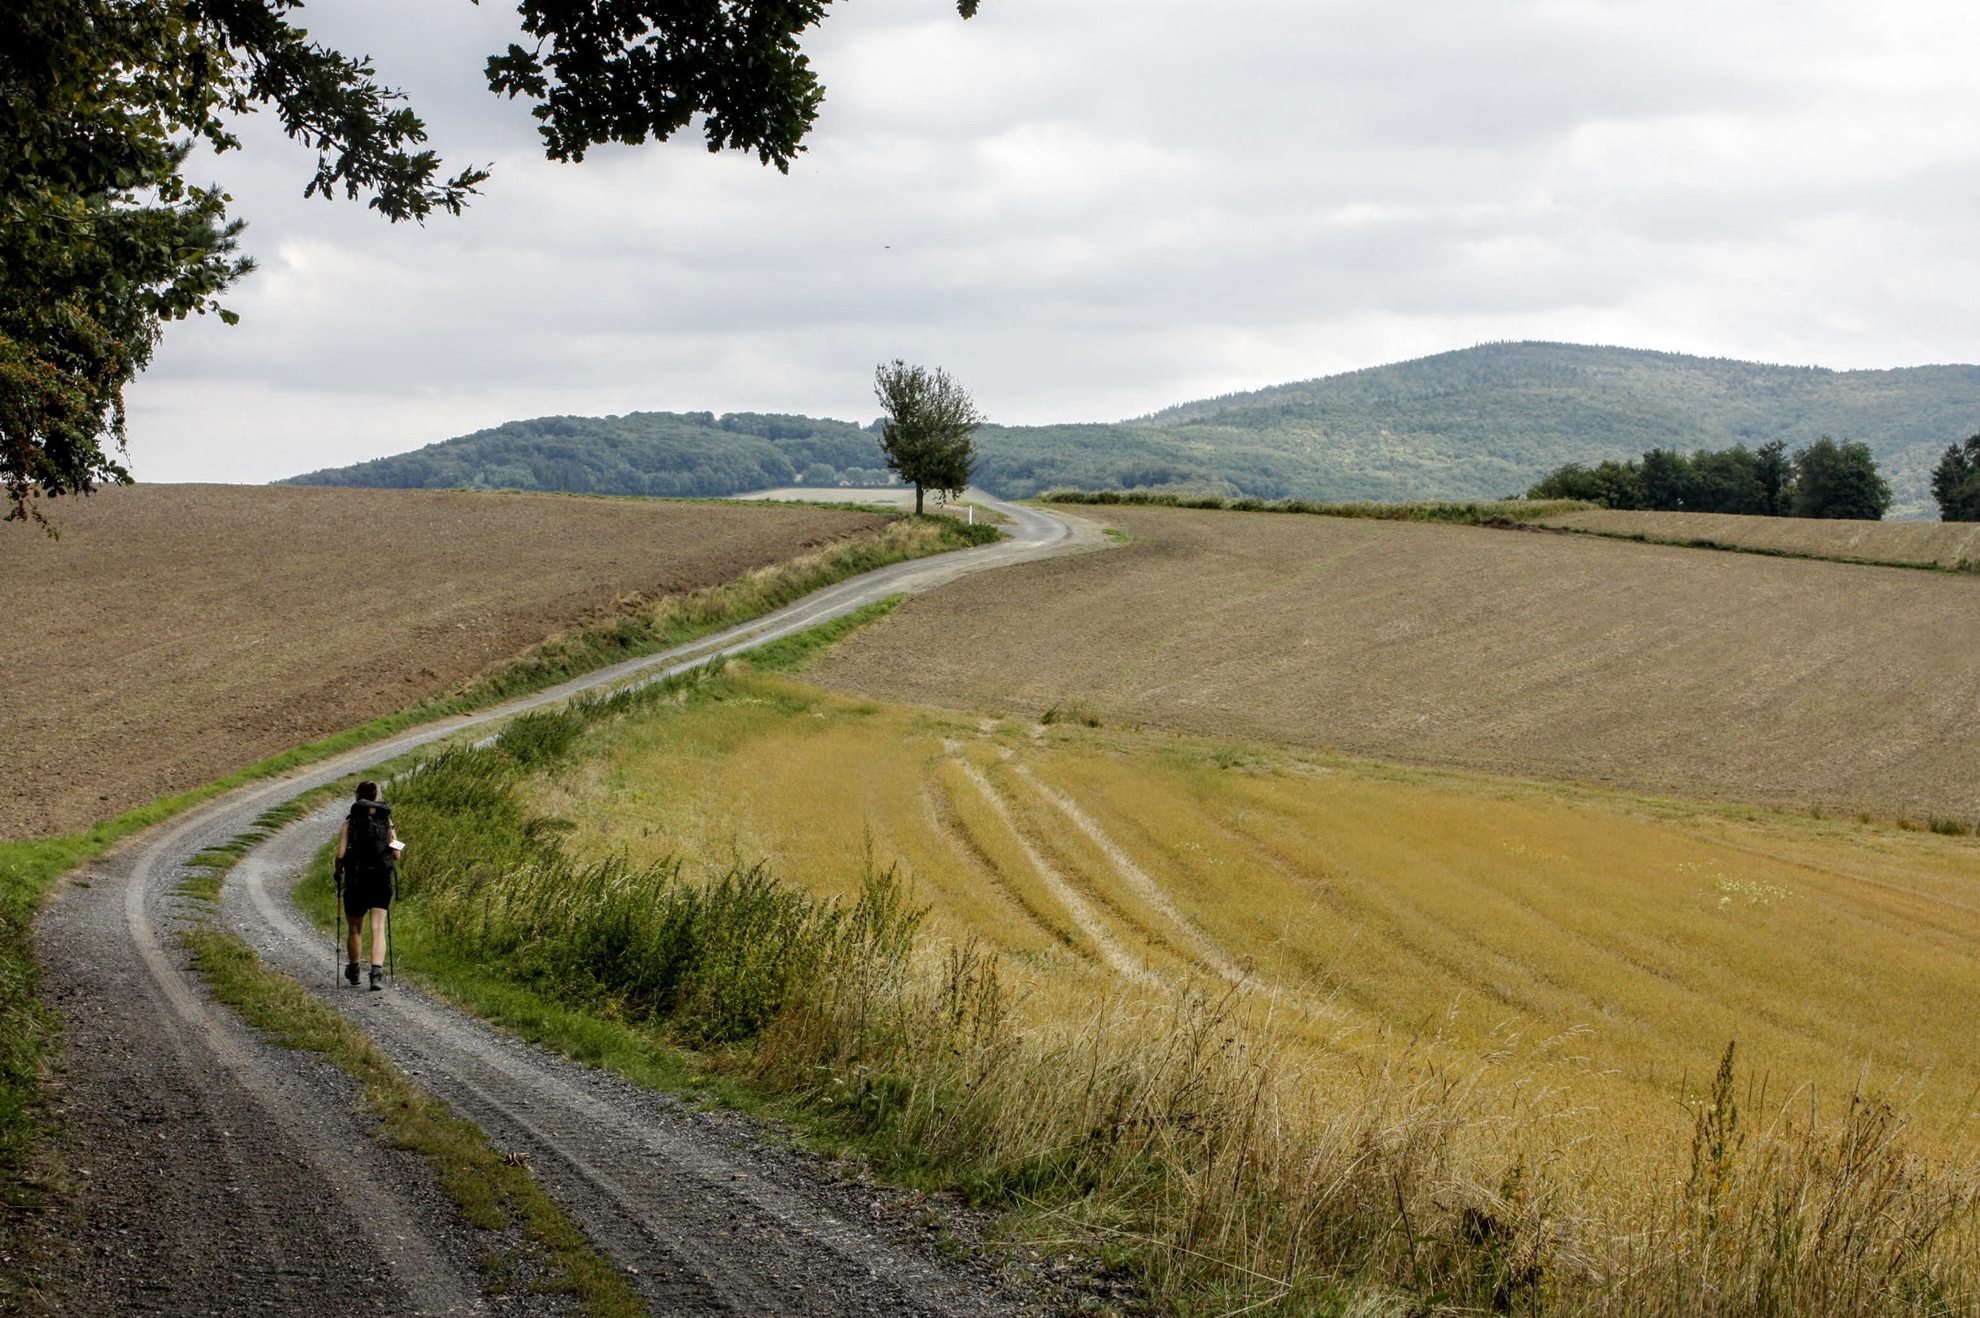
(1092, 926)
(1178, 926)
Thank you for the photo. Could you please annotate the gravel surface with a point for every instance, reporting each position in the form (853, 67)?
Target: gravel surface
(209, 1172)
(212, 1172)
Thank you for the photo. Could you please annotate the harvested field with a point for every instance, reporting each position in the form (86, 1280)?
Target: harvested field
(1600, 947)
(1727, 676)
(176, 633)
(1947, 544)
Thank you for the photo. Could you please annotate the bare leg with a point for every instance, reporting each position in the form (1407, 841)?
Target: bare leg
(351, 944)
(378, 935)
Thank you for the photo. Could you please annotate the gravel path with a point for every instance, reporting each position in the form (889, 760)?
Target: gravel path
(708, 1220)
(215, 1173)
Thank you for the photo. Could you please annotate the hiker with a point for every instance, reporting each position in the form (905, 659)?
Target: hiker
(368, 849)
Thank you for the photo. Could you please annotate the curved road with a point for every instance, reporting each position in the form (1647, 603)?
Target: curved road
(212, 1172)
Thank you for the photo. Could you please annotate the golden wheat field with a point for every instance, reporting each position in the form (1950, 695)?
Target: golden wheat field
(1593, 952)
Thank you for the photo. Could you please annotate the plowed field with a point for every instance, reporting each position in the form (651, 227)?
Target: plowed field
(175, 633)
(1946, 543)
(1698, 674)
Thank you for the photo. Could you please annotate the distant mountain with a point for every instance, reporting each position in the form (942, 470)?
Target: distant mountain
(1478, 423)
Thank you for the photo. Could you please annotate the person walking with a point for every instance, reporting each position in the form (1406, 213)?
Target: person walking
(368, 849)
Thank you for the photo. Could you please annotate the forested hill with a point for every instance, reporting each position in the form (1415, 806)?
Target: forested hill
(1478, 423)
(673, 454)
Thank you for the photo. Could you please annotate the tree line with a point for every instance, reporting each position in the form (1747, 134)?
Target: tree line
(1828, 478)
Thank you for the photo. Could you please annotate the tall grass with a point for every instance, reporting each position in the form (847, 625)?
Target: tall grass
(1177, 1128)
(1182, 1132)
(715, 960)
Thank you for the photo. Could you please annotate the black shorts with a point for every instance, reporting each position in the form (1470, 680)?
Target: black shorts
(364, 891)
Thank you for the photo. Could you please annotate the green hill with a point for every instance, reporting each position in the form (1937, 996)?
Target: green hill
(1478, 423)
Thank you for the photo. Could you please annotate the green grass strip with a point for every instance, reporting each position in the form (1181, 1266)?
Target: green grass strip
(1497, 512)
(1964, 566)
(490, 1192)
(789, 653)
(1527, 514)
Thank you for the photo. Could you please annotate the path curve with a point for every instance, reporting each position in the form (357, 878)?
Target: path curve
(214, 1172)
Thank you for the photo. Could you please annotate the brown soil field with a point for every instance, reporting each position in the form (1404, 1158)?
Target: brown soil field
(1946, 543)
(1701, 675)
(175, 633)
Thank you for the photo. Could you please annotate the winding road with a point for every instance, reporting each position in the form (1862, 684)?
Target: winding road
(215, 1173)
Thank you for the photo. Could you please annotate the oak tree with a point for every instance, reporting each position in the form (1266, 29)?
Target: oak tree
(927, 431)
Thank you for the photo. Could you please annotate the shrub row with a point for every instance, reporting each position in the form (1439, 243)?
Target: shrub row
(1474, 514)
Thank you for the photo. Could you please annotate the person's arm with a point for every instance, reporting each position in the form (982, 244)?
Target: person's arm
(392, 835)
(343, 840)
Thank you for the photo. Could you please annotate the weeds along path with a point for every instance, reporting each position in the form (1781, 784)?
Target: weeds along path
(706, 1220)
(212, 1172)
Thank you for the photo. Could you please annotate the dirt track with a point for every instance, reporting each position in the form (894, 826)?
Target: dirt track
(177, 632)
(213, 1172)
(1683, 671)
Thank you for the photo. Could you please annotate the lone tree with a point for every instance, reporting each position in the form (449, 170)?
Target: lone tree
(1839, 480)
(926, 432)
(103, 240)
(1956, 482)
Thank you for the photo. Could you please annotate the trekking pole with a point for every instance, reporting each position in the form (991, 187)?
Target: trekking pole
(391, 939)
(336, 925)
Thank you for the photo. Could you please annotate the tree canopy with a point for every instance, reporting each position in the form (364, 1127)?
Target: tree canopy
(1956, 482)
(1839, 480)
(1825, 479)
(104, 241)
(625, 70)
(926, 433)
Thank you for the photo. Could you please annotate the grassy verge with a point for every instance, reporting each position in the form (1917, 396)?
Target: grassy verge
(1486, 513)
(1523, 513)
(29, 868)
(1963, 566)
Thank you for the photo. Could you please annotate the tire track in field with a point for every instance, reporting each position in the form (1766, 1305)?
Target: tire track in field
(1143, 885)
(1318, 1006)
(944, 823)
(1062, 889)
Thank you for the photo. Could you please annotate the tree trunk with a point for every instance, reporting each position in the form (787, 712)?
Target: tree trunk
(917, 498)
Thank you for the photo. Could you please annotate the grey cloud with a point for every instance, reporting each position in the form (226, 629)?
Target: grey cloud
(1091, 209)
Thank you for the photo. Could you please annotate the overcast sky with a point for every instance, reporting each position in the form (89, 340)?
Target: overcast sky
(1090, 209)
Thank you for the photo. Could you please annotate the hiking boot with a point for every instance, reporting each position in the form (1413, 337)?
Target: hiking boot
(377, 979)
(351, 973)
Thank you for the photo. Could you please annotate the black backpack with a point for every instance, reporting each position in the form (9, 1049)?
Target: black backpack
(368, 839)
